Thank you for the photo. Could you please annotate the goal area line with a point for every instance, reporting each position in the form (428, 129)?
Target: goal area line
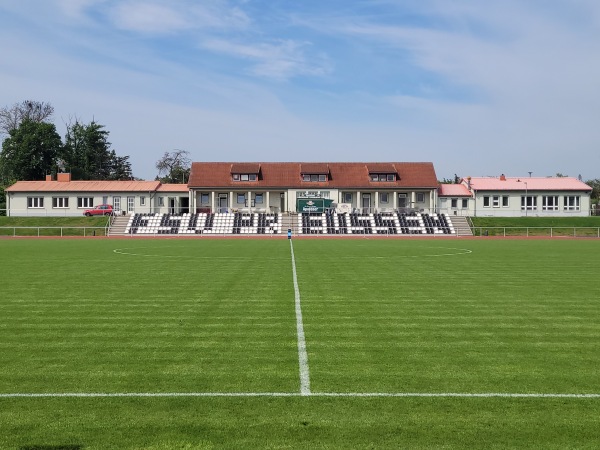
(299, 394)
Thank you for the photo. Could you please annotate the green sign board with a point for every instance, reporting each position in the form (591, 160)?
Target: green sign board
(317, 205)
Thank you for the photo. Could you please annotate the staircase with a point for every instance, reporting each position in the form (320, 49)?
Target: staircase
(461, 226)
(289, 221)
(118, 226)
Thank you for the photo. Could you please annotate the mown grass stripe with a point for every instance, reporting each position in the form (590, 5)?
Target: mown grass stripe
(301, 394)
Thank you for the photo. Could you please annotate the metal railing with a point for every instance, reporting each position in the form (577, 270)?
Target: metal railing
(590, 232)
(53, 231)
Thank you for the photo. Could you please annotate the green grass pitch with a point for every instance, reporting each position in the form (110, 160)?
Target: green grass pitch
(200, 337)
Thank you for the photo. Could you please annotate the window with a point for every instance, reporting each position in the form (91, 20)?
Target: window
(384, 197)
(505, 201)
(244, 177)
(241, 199)
(85, 202)
(258, 199)
(550, 203)
(486, 202)
(465, 203)
(204, 198)
(314, 177)
(383, 177)
(142, 201)
(454, 203)
(161, 201)
(528, 203)
(35, 202)
(571, 203)
(420, 197)
(347, 196)
(496, 201)
(60, 202)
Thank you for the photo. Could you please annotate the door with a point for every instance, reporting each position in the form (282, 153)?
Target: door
(366, 203)
(172, 205)
(130, 204)
(223, 203)
(117, 205)
(184, 203)
(282, 202)
(401, 200)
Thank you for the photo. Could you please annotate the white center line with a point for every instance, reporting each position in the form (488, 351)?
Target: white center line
(302, 354)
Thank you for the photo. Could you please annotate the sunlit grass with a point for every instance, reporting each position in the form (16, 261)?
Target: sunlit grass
(380, 316)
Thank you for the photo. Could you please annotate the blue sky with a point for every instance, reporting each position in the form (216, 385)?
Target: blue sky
(477, 87)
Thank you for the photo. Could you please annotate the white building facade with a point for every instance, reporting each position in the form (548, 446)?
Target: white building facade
(528, 196)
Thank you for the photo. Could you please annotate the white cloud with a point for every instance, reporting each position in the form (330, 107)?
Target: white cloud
(160, 16)
(280, 60)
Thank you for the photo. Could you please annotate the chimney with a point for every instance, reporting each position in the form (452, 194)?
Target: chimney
(469, 183)
(63, 177)
(502, 177)
(48, 177)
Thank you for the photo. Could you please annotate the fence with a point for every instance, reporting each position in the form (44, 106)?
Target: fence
(53, 231)
(538, 231)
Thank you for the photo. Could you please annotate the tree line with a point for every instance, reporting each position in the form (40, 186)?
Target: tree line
(33, 148)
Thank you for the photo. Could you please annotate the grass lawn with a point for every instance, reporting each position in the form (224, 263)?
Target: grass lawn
(214, 321)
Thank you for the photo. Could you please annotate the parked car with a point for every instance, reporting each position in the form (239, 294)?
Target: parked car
(100, 210)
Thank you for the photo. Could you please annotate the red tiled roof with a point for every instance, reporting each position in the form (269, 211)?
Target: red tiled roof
(83, 186)
(173, 188)
(288, 175)
(530, 183)
(453, 190)
(245, 168)
(381, 168)
(314, 168)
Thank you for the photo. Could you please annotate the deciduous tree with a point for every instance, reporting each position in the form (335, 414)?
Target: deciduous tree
(174, 167)
(11, 117)
(30, 152)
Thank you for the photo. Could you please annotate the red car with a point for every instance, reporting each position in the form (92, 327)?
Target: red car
(100, 210)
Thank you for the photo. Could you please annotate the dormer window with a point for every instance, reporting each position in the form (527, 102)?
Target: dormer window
(314, 177)
(244, 177)
(383, 177)
(245, 171)
(379, 172)
(315, 172)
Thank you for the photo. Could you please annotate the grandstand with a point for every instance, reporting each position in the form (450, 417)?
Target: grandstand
(204, 223)
(328, 223)
(374, 223)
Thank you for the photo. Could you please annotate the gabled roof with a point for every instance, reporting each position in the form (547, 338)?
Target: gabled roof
(288, 175)
(529, 183)
(453, 190)
(84, 186)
